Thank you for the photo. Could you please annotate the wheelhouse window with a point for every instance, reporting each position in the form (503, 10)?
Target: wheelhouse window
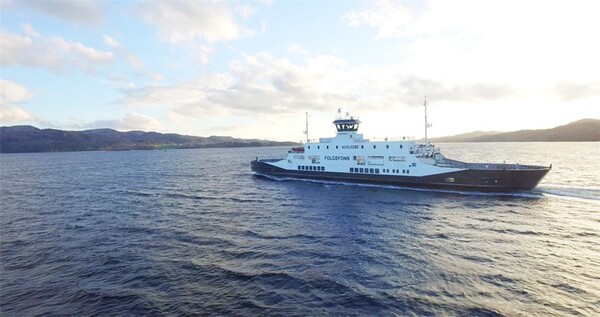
(346, 127)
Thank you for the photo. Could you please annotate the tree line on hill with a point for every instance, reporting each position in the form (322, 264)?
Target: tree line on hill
(26, 139)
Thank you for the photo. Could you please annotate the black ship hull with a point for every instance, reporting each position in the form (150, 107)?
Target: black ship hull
(492, 180)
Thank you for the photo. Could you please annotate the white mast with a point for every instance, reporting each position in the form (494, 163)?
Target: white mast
(427, 124)
(306, 131)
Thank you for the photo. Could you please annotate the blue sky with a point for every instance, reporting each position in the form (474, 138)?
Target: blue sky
(252, 69)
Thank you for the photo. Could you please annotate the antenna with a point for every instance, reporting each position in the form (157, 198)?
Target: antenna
(306, 131)
(427, 124)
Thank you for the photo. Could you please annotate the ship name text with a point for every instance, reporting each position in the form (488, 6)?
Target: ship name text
(337, 158)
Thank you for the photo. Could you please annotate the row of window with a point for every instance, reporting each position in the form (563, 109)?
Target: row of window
(311, 168)
(397, 171)
(364, 170)
(355, 170)
(387, 146)
(376, 170)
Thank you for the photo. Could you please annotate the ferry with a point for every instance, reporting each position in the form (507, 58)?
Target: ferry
(349, 157)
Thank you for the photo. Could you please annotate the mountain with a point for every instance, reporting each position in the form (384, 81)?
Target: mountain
(464, 137)
(24, 139)
(586, 130)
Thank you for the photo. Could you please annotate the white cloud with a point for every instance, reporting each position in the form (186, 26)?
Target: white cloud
(77, 12)
(111, 42)
(181, 21)
(244, 10)
(568, 91)
(204, 54)
(156, 77)
(29, 30)
(12, 114)
(264, 84)
(55, 53)
(469, 40)
(131, 121)
(12, 94)
(123, 53)
(297, 48)
(389, 17)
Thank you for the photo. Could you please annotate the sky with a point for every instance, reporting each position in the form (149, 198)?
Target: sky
(253, 69)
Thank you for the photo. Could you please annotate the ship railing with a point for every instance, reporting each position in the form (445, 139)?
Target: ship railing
(393, 139)
(269, 159)
(376, 139)
(485, 166)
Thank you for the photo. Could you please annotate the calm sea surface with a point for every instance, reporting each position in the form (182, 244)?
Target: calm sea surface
(193, 232)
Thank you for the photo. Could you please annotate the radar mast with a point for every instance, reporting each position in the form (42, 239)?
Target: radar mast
(427, 124)
(306, 131)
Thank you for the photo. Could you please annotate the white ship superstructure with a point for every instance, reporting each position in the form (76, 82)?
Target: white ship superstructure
(350, 152)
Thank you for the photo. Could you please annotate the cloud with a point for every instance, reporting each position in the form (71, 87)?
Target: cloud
(468, 40)
(111, 42)
(77, 12)
(131, 121)
(297, 48)
(262, 84)
(389, 17)
(121, 52)
(12, 94)
(54, 54)
(181, 21)
(11, 114)
(259, 84)
(568, 91)
(413, 89)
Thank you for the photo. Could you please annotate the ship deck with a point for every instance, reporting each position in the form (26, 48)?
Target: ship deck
(445, 162)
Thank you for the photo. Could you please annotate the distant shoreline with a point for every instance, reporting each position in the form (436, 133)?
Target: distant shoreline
(29, 139)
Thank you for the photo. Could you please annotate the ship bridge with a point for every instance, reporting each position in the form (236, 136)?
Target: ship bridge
(346, 123)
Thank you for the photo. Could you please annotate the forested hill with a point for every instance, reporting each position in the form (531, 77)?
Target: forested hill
(22, 139)
(586, 130)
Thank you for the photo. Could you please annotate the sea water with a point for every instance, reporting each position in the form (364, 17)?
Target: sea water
(194, 232)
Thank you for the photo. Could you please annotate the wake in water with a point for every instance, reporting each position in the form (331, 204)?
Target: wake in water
(571, 193)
